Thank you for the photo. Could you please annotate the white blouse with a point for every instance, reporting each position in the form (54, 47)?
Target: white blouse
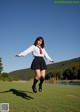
(35, 51)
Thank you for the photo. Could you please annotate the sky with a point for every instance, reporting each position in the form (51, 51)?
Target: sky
(22, 21)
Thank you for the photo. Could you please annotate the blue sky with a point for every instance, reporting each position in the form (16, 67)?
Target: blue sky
(22, 21)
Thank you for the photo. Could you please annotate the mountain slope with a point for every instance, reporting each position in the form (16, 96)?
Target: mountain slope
(26, 74)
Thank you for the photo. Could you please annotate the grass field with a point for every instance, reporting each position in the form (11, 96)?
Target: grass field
(53, 98)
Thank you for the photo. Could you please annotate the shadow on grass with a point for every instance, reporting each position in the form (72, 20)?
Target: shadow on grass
(19, 93)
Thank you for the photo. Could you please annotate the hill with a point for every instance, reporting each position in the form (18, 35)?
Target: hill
(60, 67)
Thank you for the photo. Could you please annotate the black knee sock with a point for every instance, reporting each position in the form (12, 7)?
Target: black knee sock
(41, 80)
(35, 81)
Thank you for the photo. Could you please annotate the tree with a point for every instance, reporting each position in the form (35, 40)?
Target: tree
(50, 75)
(58, 75)
(10, 78)
(74, 72)
(67, 74)
(1, 67)
(4, 74)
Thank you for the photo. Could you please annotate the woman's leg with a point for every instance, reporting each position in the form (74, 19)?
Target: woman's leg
(42, 79)
(38, 75)
(43, 72)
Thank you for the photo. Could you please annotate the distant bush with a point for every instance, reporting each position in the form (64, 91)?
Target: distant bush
(5, 77)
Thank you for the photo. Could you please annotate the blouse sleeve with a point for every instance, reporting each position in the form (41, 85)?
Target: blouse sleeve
(27, 51)
(47, 56)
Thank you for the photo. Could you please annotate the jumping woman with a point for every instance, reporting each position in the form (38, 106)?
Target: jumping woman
(38, 63)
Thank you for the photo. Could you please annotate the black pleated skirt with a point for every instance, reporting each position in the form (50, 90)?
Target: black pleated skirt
(38, 63)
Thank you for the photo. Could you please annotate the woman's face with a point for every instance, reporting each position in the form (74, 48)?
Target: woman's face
(39, 42)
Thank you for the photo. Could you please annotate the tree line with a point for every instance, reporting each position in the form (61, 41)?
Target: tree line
(72, 73)
(4, 76)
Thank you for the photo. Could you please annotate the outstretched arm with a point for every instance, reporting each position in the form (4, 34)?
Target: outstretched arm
(27, 51)
(47, 57)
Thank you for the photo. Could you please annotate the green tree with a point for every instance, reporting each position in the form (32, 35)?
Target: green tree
(1, 67)
(4, 74)
(74, 71)
(10, 78)
(67, 74)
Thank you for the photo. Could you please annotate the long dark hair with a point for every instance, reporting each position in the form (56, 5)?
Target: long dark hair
(38, 38)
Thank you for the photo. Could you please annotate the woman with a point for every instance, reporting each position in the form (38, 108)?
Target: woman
(38, 63)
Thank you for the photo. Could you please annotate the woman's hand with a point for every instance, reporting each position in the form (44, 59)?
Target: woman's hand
(17, 55)
(53, 61)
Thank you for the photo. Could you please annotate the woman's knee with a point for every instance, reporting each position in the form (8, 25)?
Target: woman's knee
(43, 73)
(38, 73)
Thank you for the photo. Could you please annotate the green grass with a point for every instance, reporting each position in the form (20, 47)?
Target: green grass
(53, 98)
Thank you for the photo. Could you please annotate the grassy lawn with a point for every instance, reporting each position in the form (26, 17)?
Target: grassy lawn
(53, 98)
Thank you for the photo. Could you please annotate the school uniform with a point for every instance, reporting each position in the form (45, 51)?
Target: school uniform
(38, 54)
